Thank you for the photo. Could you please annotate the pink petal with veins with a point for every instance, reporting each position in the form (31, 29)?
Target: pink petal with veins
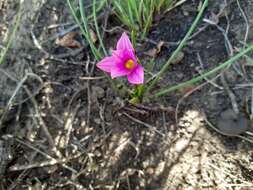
(119, 71)
(136, 76)
(106, 64)
(124, 43)
(122, 56)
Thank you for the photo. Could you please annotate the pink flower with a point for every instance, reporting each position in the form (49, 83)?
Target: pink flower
(123, 62)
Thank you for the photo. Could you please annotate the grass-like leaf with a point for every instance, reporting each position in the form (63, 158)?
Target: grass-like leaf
(87, 33)
(179, 48)
(138, 14)
(12, 35)
(203, 76)
(97, 28)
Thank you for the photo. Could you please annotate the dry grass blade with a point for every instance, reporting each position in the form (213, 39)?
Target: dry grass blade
(152, 128)
(44, 154)
(19, 86)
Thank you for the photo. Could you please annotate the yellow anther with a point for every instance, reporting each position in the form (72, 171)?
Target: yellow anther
(129, 64)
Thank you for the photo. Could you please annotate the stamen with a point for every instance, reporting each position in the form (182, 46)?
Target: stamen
(130, 64)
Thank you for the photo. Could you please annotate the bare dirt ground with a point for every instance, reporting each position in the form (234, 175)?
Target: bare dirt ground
(63, 127)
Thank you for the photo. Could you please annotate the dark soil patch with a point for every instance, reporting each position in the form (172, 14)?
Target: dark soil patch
(101, 141)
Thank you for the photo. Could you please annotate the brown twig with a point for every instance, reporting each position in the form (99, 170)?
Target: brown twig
(152, 128)
(43, 153)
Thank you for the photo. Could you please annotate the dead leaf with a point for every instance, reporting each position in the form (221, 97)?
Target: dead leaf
(152, 52)
(186, 90)
(178, 58)
(68, 40)
(155, 51)
(159, 46)
(93, 36)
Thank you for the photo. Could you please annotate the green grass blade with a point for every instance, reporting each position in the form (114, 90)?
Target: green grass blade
(159, 5)
(145, 10)
(121, 14)
(181, 45)
(93, 48)
(134, 6)
(86, 29)
(12, 35)
(133, 38)
(97, 28)
(149, 20)
(203, 76)
(130, 13)
(99, 6)
(140, 11)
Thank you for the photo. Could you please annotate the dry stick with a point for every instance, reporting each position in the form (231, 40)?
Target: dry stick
(43, 153)
(223, 80)
(37, 44)
(101, 115)
(189, 93)
(43, 125)
(246, 21)
(19, 86)
(61, 33)
(180, 2)
(230, 94)
(107, 14)
(37, 165)
(59, 58)
(203, 28)
(223, 133)
(89, 103)
(226, 87)
(228, 44)
(21, 176)
(209, 81)
(50, 162)
(152, 128)
(69, 124)
(70, 117)
(41, 121)
(89, 73)
(60, 25)
(92, 78)
(27, 98)
(229, 174)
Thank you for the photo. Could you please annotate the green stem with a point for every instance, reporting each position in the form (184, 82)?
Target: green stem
(181, 45)
(208, 73)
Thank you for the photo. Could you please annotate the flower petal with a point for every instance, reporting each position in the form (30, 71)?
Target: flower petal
(119, 71)
(124, 43)
(136, 76)
(106, 64)
(122, 56)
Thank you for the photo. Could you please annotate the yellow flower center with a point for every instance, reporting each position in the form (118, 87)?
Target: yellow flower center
(129, 64)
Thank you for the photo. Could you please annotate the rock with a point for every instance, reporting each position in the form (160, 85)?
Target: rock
(98, 91)
(232, 124)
